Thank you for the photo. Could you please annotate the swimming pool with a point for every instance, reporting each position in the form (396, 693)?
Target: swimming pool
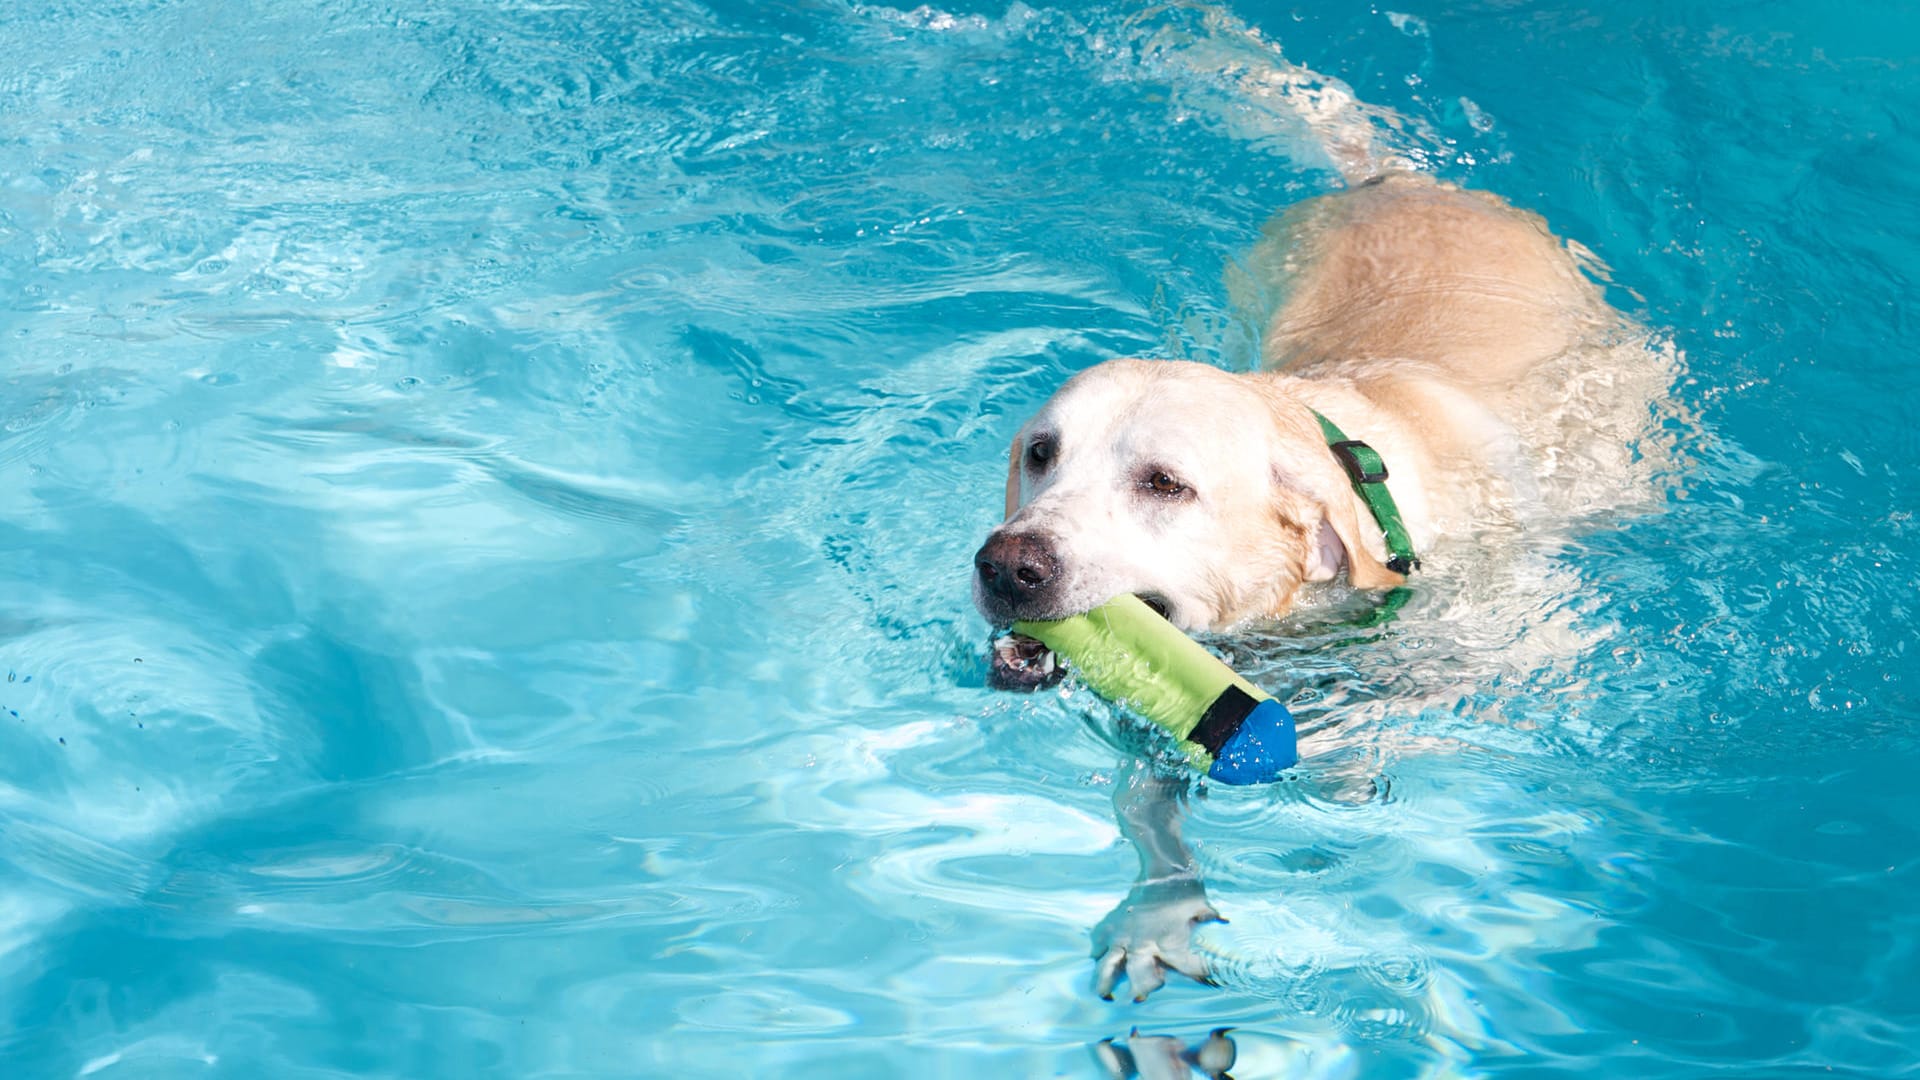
(488, 490)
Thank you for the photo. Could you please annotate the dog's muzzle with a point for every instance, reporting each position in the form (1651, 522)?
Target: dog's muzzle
(1016, 575)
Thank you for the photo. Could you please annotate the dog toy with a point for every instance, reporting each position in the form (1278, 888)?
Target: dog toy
(1229, 728)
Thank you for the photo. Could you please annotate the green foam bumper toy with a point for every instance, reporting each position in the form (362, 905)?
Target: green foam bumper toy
(1229, 728)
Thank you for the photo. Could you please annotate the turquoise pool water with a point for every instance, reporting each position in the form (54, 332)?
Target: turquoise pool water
(486, 493)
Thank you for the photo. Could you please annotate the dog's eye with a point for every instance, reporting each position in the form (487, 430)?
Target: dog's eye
(1162, 484)
(1040, 453)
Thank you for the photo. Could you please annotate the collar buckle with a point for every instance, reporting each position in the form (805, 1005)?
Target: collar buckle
(1368, 471)
(1362, 472)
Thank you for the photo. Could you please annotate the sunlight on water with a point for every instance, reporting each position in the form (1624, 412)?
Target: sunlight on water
(489, 491)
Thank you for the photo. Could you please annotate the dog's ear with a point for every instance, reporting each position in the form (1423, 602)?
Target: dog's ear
(1343, 517)
(1013, 477)
(1333, 529)
(1306, 467)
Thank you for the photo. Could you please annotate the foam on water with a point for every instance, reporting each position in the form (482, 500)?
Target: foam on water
(486, 493)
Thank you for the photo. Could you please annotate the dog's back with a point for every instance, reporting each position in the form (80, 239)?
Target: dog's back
(1472, 321)
(1407, 268)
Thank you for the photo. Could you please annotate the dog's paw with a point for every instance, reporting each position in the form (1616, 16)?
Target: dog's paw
(1021, 663)
(1151, 933)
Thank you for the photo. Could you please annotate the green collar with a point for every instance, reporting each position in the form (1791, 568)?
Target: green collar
(1368, 471)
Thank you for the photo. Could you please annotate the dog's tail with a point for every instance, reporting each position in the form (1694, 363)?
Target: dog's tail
(1217, 64)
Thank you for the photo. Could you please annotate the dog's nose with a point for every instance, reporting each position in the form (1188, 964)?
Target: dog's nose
(1016, 567)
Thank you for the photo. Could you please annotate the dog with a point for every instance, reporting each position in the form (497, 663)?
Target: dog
(1414, 314)
(1429, 340)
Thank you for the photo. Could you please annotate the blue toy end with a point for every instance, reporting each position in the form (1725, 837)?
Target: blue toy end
(1263, 748)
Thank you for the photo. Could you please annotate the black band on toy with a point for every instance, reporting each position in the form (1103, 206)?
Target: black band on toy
(1222, 719)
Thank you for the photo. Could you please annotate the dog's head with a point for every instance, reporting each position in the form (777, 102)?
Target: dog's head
(1210, 495)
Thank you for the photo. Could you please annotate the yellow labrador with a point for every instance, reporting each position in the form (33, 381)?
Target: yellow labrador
(1415, 315)
(1452, 333)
